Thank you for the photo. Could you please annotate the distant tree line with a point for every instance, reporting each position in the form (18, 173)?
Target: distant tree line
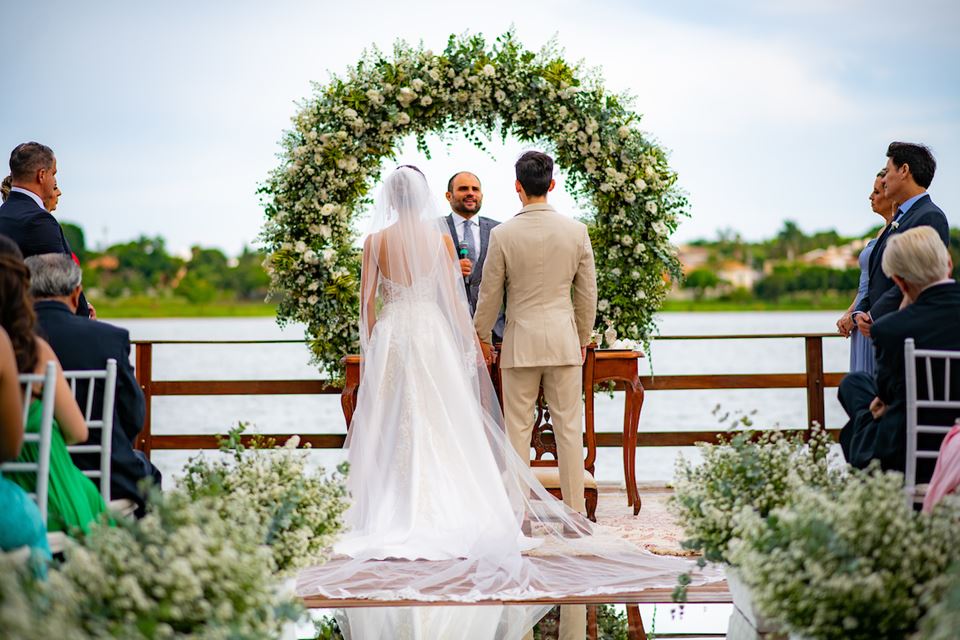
(145, 267)
(787, 276)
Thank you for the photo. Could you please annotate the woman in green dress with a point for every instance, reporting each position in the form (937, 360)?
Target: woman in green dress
(73, 501)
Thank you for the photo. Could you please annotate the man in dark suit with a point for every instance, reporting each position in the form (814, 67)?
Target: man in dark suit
(909, 172)
(920, 267)
(471, 235)
(24, 217)
(82, 343)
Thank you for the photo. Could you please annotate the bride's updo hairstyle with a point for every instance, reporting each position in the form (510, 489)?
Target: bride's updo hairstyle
(407, 193)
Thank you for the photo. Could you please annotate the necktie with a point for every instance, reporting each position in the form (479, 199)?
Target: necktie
(468, 241)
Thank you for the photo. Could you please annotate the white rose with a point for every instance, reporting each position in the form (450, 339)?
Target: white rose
(300, 246)
(328, 256)
(403, 118)
(639, 249)
(649, 171)
(651, 206)
(590, 165)
(325, 231)
(489, 71)
(349, 113)
(426, 101)
(641, 294)
(417, 84)
(327, 209)
(603, 305)
(562, 112)
(641, 185)
(405, 96)
(628, 197)
(313, 299)
(434, 75)
(616, 272)
(571, 127)
(660, 228)
(595, 148)
(623, 131)
(310, 256)
(499, 95)
(458, 82)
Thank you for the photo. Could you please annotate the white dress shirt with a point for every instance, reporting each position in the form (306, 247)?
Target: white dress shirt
(27, 192)
(473, 224)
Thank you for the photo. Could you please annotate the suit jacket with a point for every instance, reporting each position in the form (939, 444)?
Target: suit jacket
(536, 257)
(472, 282)
(933, 321)
(82, 343)
(883, 296)
(35, 231)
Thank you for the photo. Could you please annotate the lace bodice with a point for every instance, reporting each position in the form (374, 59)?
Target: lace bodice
(421, 290)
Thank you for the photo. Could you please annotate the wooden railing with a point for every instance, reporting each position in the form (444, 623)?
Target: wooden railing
(813, 379)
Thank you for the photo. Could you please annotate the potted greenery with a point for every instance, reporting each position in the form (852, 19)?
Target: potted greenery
(746, 471)
(851, 563)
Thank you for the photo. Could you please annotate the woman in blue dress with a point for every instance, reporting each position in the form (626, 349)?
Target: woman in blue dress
(861, 347)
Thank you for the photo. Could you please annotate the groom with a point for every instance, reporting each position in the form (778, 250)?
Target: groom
(537, 257)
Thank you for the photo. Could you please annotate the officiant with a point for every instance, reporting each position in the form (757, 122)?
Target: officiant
(471, 234)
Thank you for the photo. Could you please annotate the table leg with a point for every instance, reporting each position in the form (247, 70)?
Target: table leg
(634, 431)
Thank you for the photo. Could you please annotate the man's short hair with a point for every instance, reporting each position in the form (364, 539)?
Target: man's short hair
(918, 157)
(53, 275)
(917, 255)
(28, 158)
(454, 177)
(534, 172)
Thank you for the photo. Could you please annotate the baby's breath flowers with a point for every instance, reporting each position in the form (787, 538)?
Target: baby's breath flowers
(852, 564)
(297, 511)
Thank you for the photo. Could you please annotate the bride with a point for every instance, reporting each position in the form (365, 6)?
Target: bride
(433, 477)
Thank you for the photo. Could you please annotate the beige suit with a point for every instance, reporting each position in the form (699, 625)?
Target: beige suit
(536, 258)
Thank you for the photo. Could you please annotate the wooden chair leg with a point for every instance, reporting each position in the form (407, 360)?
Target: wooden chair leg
(635, 630)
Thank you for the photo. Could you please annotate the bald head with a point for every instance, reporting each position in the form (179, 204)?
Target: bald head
(464, 194)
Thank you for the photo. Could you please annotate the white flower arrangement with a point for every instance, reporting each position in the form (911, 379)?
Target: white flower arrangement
(183, 571)
(851, 563)
(340, 137)
(298, 512)
(746, 471)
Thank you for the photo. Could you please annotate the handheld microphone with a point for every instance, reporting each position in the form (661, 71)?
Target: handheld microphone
(464, 253)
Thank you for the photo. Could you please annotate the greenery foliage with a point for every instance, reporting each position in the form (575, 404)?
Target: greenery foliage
(298, 511)
(851, 564)
(341, 136)
(756, 472)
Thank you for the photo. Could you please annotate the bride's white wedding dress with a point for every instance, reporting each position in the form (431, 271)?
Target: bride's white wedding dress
(439, 496)
(423, 478)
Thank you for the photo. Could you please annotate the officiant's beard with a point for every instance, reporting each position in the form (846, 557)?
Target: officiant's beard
(457, 206)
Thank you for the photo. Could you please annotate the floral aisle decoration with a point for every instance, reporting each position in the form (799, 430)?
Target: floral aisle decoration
(183, 571)
(37, 608)
(298, 511)
(341, 136)
(942, 600)
(853, 563)
(745, 471)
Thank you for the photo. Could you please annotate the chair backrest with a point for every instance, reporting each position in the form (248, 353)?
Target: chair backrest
(929, 360)
(44, 435)
(105, 423)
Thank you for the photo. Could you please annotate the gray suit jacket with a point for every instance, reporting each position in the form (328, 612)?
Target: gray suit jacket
(472, 282)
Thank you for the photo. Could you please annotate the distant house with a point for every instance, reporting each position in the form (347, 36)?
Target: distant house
(835, 257)
(738, 275)
(104, 262)
(692, 257)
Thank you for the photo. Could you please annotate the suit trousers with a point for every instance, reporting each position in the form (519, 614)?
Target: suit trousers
(562, 389)
(857, 390)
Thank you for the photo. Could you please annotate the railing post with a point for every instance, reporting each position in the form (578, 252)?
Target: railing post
(816, 411)
(144, 372)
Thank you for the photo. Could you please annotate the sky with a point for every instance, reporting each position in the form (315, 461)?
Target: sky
(165, 117)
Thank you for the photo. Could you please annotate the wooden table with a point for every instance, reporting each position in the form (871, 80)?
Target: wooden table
(618, 366)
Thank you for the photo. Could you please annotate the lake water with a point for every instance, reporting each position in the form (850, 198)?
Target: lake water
(662, 410)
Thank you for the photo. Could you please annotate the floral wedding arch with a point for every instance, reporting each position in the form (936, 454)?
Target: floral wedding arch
(342, 135)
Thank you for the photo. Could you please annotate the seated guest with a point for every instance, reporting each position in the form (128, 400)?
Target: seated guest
(73, 500)
(25, 213)
(20, 522)
(946, 475)
(918, 262)
(82, 343)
